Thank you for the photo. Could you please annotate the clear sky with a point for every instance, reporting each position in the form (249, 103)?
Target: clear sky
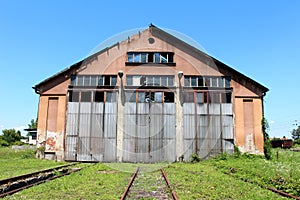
(258, 38)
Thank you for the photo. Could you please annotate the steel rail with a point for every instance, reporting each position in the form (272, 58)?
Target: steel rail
(24, 176)
(174, 196)
(282, 193)
(39, 182)
(130, 183)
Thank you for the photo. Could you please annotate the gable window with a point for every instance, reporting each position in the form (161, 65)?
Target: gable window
(150, 57)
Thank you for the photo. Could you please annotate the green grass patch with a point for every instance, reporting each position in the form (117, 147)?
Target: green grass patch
(282, 174)
(204, 181)
(94, 181)
(19, 162)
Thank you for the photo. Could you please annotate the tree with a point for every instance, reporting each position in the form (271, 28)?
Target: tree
(10, 136)
(33, 124)
(267, 142)
(296, 133)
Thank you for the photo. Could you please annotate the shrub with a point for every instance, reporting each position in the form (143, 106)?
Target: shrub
(195, 158)
(3, 143)
(267, 142)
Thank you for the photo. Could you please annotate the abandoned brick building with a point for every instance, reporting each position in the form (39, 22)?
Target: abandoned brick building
(151, 97)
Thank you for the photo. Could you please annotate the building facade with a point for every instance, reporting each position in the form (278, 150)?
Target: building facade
(149, 98)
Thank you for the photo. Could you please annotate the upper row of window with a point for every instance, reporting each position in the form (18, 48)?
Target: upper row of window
(94, 80)
(151, 80)
(150, 57)
(207, 81)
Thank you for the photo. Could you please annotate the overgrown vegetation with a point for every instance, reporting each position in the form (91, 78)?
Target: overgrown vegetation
(94, 181)
(18, 162)
(10, 137)
(282, 174)
(236, 176)
(267, 142)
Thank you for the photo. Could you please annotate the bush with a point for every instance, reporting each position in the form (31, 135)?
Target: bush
(18, 143)
(267, 142)
(195, 158)
(3, 143)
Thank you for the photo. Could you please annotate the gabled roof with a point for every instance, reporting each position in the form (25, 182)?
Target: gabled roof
(179, 43)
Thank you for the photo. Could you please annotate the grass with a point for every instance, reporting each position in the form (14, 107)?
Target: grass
(94, 181)
(282, 174)
(19, 162)
(220, 178)
(203, 181)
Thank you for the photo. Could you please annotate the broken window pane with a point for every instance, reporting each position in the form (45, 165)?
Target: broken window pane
(168, 97)
(73, 80)
(164, 57)
(99, 97)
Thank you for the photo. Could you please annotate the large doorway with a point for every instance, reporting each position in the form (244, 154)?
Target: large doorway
(91, 126)
(149, 127)
(207, 123)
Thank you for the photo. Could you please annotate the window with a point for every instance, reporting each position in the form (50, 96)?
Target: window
(99, 97)
(200, 81)
(80, 81)
(200, 97)
(207, 81)
(188, 97)
(144, 58)
(193, 81)
(100, 80)
(214, 97)
(227, 82)
(86, 96)
(94, 80)
(170, 80)
(169, 97)
(73, 80)
(111, 97)
(130, 57)
(130, 96)
(226, 97)
(73, 96)
(150, 57)
(150, 80)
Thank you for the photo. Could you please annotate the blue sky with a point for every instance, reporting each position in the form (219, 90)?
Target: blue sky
(257, 38)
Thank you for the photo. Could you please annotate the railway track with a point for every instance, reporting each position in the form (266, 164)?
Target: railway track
(154, 185)
(279, 192)
(15, 184)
